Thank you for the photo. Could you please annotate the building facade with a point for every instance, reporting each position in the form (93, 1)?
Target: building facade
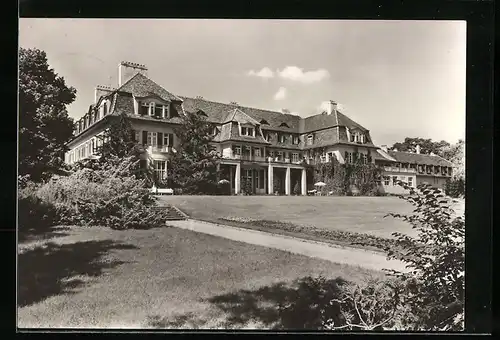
(411, 168)
(264, 150)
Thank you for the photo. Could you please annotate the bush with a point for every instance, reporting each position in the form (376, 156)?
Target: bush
(109, 196)
(434, 286)
(34, 213)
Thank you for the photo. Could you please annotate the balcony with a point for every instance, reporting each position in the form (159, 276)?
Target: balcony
(159, 149)
(397, 169)
(244, 157)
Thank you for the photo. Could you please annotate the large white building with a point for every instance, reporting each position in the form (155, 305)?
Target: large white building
(264, 147)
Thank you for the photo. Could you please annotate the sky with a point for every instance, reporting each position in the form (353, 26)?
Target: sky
(396, 78)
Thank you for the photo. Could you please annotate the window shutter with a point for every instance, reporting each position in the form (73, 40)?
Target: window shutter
(170, 139)
(159, 139)
(144, 137)
(346, 158)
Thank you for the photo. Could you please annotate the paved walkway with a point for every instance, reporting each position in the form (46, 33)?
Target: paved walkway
(321, 250)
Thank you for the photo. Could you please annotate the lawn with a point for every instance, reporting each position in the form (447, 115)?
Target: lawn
(352, 214)
(162, 277)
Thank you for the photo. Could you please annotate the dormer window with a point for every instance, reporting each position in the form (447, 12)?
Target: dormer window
(144, 109)
(284, 125)
(158, 111)
(215, 131)
(264, 122)
(247, 131)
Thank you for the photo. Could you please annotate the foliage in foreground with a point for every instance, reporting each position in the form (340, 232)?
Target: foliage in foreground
(108, 197)
(433, 295)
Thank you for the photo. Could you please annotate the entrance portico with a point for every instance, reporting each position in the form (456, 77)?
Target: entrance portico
(264, 178)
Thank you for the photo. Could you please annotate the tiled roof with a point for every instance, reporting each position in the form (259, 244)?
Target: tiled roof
(412, 158)
(218, 112)
(383, 156)
(323, 121)
(239, 116)
(141, 86)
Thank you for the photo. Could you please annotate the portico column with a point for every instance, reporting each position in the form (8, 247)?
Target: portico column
(237, 178)
(303, 182)
(287, 181)
(270, 186)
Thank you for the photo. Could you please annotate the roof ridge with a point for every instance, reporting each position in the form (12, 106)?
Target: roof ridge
(239, 106)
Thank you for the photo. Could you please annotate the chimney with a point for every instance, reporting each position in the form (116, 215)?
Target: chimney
(384, 148)
(418, 149)
(127, 70)
(101, 90)
(285, 111)
(332, 106)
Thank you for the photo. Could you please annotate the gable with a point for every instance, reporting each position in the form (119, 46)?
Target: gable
(141, 86)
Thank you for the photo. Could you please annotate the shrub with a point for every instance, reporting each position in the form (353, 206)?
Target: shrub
(109, 196)
(35, 214)
(434, 286)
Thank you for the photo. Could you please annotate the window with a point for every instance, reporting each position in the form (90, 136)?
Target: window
(263, 121)
(349, 157)
(237, 150)
(386, 180)
(160, 169)
(247, 131)
(436, 169)
(215, 131)
(280, 155)
(168, 139)
(295, 139)
(295, 157)
(257, 152)
(394, 180)
(271, 153)
(410, 181)
(144, 109)
(310, 139)
(284, 125)
(282, 139)
(352, 138)
(262, 179)
(149, 140)
(158, 111)
(445, 170)
(137, 136)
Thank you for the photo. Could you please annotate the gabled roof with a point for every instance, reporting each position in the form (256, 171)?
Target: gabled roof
(412, 158)
(239, 116)
(217, 113)
(324, 120)
(141, 86)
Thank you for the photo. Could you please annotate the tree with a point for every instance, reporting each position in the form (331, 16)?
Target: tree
(193, 167)
(117, 143)
(44, 124)
(455, 187)
(427, 146)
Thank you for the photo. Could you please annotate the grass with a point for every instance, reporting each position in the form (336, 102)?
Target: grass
(162, 277)
(352, 214)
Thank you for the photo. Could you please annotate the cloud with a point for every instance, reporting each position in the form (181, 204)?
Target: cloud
(281, 94)
(265, 73)
(297, 74)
